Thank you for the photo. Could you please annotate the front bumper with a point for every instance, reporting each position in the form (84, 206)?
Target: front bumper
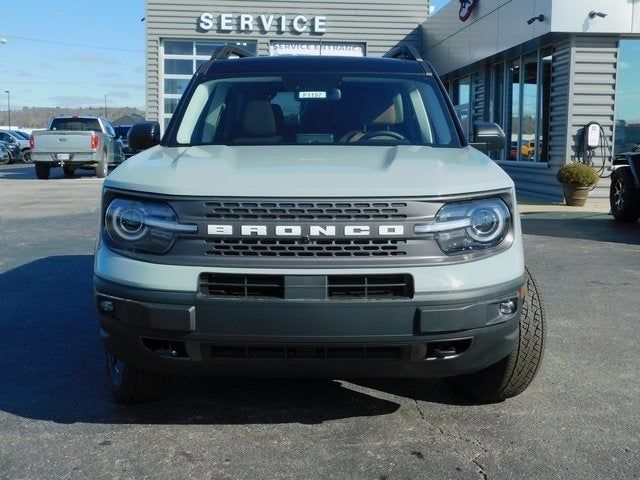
(428, 336)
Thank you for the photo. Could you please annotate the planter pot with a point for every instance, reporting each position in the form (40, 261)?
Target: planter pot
(574, 195)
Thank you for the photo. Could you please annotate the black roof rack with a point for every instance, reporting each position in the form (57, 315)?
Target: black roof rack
(404, 52)
(226, 51)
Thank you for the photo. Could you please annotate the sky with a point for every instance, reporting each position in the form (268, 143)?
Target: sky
(439, 3)
(71, 53)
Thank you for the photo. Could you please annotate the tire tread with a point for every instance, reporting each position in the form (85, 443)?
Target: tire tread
(513, 374)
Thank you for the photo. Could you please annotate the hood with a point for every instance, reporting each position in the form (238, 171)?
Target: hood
(309, 171)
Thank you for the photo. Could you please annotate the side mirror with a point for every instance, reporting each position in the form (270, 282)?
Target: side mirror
(144, 135)
(488, 136)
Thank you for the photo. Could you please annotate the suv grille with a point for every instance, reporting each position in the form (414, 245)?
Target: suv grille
(307, 210)
(305, 248)
(349, 233)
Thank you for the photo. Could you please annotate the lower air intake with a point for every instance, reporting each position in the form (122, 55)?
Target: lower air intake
(221, 285)
(370, 287)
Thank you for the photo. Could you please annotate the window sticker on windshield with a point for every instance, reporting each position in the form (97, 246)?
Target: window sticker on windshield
(312, 95)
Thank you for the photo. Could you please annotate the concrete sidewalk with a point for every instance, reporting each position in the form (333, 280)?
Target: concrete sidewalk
(530, 205)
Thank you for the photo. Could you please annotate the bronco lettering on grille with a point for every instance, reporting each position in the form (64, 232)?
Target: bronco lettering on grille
(316, 231)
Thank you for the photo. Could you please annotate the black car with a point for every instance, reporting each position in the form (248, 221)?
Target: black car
(13, 149)
(5, 157)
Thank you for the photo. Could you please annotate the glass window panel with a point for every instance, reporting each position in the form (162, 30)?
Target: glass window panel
(528, 143)
(498, 103)
(170, 105)
(512, 109)
(178, 67)
(461, 98)
(175, 86)
(207, 48)
(172, 47)
(544, 116)
(627, 131)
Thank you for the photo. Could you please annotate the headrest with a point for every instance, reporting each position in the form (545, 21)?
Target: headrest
(383, 108)
(258, 119)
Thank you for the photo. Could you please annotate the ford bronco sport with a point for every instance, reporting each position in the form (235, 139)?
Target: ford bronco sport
(315, 217)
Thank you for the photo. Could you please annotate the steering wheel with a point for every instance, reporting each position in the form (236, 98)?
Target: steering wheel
(382, 133)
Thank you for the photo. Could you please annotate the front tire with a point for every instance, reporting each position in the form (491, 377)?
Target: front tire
(130, 386)
(513, 374)
(624, 197)
(42, 171)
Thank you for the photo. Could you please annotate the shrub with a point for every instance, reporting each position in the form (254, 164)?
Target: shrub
(578, 174)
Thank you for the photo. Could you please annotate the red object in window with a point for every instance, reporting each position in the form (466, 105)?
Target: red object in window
(95, 141)
(466, 9)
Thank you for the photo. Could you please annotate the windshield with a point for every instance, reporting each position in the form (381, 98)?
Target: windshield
(23, 135)
(308, 108)
(76, 124)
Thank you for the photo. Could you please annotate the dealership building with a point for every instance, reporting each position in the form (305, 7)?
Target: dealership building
(544, 69)
(181, 35)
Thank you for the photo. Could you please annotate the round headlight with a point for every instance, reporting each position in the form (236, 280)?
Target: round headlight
(486, 224)
(130, 223)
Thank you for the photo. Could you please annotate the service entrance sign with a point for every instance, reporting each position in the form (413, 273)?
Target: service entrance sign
(329, 49)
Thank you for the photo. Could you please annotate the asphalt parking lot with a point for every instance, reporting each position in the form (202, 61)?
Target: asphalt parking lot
(580, 418)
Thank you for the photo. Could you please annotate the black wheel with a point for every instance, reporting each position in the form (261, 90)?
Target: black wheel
(624, 197)
(26, 156)
(132, 386)
(513, 374)
(42, 171)
(11, 160)
(69, 171)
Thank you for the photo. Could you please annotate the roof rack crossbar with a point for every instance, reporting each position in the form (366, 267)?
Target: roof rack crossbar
(226, 51)
(404, 52)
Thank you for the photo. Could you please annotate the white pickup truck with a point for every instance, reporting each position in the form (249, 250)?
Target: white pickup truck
(76, 142)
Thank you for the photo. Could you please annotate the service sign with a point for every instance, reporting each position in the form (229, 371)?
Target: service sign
(264, 23)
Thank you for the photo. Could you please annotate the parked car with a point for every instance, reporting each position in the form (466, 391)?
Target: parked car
(360, 237)
(76, 142)
(5, 157)
(13, 137)
(624, 193)
(24, 135)
(122, 132)
(15, 153)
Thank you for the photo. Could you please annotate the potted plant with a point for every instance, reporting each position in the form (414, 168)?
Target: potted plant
(577, 180)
